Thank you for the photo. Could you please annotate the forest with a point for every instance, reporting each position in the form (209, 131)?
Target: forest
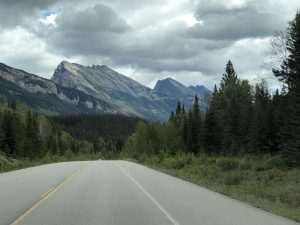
(26, 135)
(107, 132)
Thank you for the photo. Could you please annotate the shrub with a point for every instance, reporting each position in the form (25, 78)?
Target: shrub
(245, 165)
(232, 178)
(226, 164)
(275, 162)
(269, 163)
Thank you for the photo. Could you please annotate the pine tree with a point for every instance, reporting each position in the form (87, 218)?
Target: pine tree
(190, 139)
(33, 147)
(1, 135)
(290, 75)
(193, 128)
(171, 118)
(10, 142)
(229, 110)
(212, 134)
(184, 129)
(178, 108)
(229, 76)
(260, 142)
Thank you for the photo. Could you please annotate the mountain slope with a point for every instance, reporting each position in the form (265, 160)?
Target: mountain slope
(124, 94)
(173, 88)
(200, 90)
(182, 93)
(46, 96)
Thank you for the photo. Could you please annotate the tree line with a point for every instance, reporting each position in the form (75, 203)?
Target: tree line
(106, 132)
(26, 134)
(241, 118)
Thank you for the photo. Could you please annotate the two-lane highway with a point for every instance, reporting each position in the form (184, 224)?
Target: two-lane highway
(116, 193)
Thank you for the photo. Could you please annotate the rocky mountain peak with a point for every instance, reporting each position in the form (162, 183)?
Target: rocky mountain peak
(171, 87)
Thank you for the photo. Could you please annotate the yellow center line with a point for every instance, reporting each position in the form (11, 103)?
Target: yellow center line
(45, 196)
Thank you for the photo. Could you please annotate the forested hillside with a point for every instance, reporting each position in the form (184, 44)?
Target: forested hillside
(25, 134)
(241, 119)
(107, 132)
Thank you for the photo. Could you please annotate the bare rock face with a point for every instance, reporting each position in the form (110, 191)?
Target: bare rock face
(126, 95)
(45, 95)
(75, 88)
(184, 94)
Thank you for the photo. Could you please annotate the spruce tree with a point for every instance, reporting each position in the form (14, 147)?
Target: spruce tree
(171, 116)
(212, 134)
(178, 108)
(1, 135)
(260, 142)
(290, 75)
(229, 76)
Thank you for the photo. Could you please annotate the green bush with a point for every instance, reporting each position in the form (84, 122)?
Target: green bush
(226, 164)
(245, 165)
(275, 162)
(232, 178)
(179, 161)
(269, 163)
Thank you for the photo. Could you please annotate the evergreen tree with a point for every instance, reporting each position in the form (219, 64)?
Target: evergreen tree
(171, 116)
(178, 108)
(290, 75)
(1, 135)
(229, 110)
(190, 139)
(212, 134)
(10, 142)
(229, 76)
(259, 127)
(32, 143)
(184, 129)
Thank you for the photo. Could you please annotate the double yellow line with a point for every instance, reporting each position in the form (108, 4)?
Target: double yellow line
(47, 195)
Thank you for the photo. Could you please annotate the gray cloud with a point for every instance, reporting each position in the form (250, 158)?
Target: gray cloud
(18, 12)
(154, 40)
(96, 30)
(249, 20)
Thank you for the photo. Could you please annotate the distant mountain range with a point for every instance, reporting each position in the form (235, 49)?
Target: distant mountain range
(77, 89)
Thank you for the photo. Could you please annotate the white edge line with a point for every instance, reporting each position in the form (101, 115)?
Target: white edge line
(149, 196)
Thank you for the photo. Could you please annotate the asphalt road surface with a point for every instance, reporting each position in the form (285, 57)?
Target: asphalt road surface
(116, 193)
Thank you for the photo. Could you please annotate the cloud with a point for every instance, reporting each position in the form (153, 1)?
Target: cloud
(190, 40)
(89, 32)
(20, 12)
(21, 49)
(233, 22)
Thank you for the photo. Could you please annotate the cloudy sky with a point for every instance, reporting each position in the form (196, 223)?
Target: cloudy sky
(189, 40)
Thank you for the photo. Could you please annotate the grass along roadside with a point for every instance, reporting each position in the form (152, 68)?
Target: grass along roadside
(9, 163)
(262, 181)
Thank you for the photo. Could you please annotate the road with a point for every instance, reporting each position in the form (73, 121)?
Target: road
(116, 193)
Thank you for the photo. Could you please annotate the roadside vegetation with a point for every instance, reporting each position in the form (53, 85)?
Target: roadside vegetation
(262, 181)
(247, 143)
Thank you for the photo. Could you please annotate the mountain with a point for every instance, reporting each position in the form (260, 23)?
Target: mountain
(125, 95)
(45, 96)
(173, 88)
(78, 89)
(182, 93)
(200, 90)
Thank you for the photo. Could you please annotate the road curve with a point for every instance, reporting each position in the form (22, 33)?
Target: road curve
(116, 193)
